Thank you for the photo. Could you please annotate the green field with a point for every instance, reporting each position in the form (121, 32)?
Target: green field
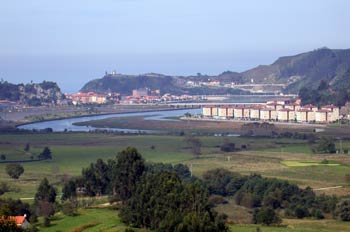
(296, 163)
(100, 219)
(72, 152)
(269, 157)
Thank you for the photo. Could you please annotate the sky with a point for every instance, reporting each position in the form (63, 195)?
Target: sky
(72, 42)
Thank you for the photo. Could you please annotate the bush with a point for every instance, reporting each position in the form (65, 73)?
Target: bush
(266, 216)
(70, 208)
(46, 222)
(14, 170)
(4, 188)
(216, 200)
(343, 210)
(227, 147)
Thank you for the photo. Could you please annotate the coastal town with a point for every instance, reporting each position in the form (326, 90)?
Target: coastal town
(281, 110)
(138, 96)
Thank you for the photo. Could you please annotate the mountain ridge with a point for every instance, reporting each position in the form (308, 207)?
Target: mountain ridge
(295, 71)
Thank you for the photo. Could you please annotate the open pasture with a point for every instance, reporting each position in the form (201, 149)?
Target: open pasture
(280, 158)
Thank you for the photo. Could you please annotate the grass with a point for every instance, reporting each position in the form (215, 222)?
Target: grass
(73, 151)
(88, 220)
(298, 226)
(295, 163)
(283, 158)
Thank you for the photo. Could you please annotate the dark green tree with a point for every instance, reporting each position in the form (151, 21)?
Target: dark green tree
(163, 203)
(343, 210)
(27, 147)
(14, 170)
(129, 168)
(195, 145)
(69, 190)
(95, 178)
(326, 145)
(10, 207)
(45, 192)
(266, 216)
(45, 154)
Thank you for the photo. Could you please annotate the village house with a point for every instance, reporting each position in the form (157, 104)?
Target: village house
(246, 112)
(238, 112)
(323, 116)
(223, 112)
(310, 107)
(286, 115)
(305, 115)
(21, 221)
(334, 116)
(208, 111)
(87, 98)
(292, 106)
(215, 111)
(275, 106)
(289, 112)
(267, 114)
(255, 112)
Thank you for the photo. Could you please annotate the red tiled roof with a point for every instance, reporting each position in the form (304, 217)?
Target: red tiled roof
(267, 109)
(308, 106)
(324, 111)
(19, 220)
(285, 110)
(329, 106)
(224, 107)
(304, 110)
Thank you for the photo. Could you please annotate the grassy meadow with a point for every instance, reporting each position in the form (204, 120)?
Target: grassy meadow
(289, 159)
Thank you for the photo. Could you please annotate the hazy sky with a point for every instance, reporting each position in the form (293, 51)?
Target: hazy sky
(74, 41)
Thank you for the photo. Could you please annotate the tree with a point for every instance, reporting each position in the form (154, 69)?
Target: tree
(27, 147)
(95, 178)
(195, 145)
(266, 216)
(10, 207)
(14, 170)
(161, 202)
(223, 182)
(4, 188)
(326, 145)
(2, 157)
(45, 192)
(343, 210)
(129, 168)
(69, 190)
(45, 154)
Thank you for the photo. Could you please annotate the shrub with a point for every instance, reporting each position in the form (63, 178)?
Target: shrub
(14, 170)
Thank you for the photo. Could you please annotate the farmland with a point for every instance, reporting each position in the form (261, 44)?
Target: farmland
(284, 158)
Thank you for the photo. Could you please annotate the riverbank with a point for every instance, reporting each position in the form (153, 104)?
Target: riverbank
(35, 114)
(80, 114)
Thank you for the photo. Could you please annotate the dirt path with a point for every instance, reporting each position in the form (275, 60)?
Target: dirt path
(335, 187)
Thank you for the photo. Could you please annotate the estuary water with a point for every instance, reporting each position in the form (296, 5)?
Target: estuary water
(67, 124)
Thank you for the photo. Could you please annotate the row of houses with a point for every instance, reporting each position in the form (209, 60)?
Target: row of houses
(87, 98)
(284, 111)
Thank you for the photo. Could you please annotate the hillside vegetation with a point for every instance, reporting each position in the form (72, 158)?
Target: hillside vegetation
(303, 70)
(32, 94)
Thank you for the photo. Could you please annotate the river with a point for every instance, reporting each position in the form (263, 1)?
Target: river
(61, 125)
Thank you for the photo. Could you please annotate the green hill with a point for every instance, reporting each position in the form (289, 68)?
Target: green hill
(302, 70)
(306, 69)
(45, 93)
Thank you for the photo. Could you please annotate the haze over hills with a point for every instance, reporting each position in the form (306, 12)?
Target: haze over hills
(293, 72)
